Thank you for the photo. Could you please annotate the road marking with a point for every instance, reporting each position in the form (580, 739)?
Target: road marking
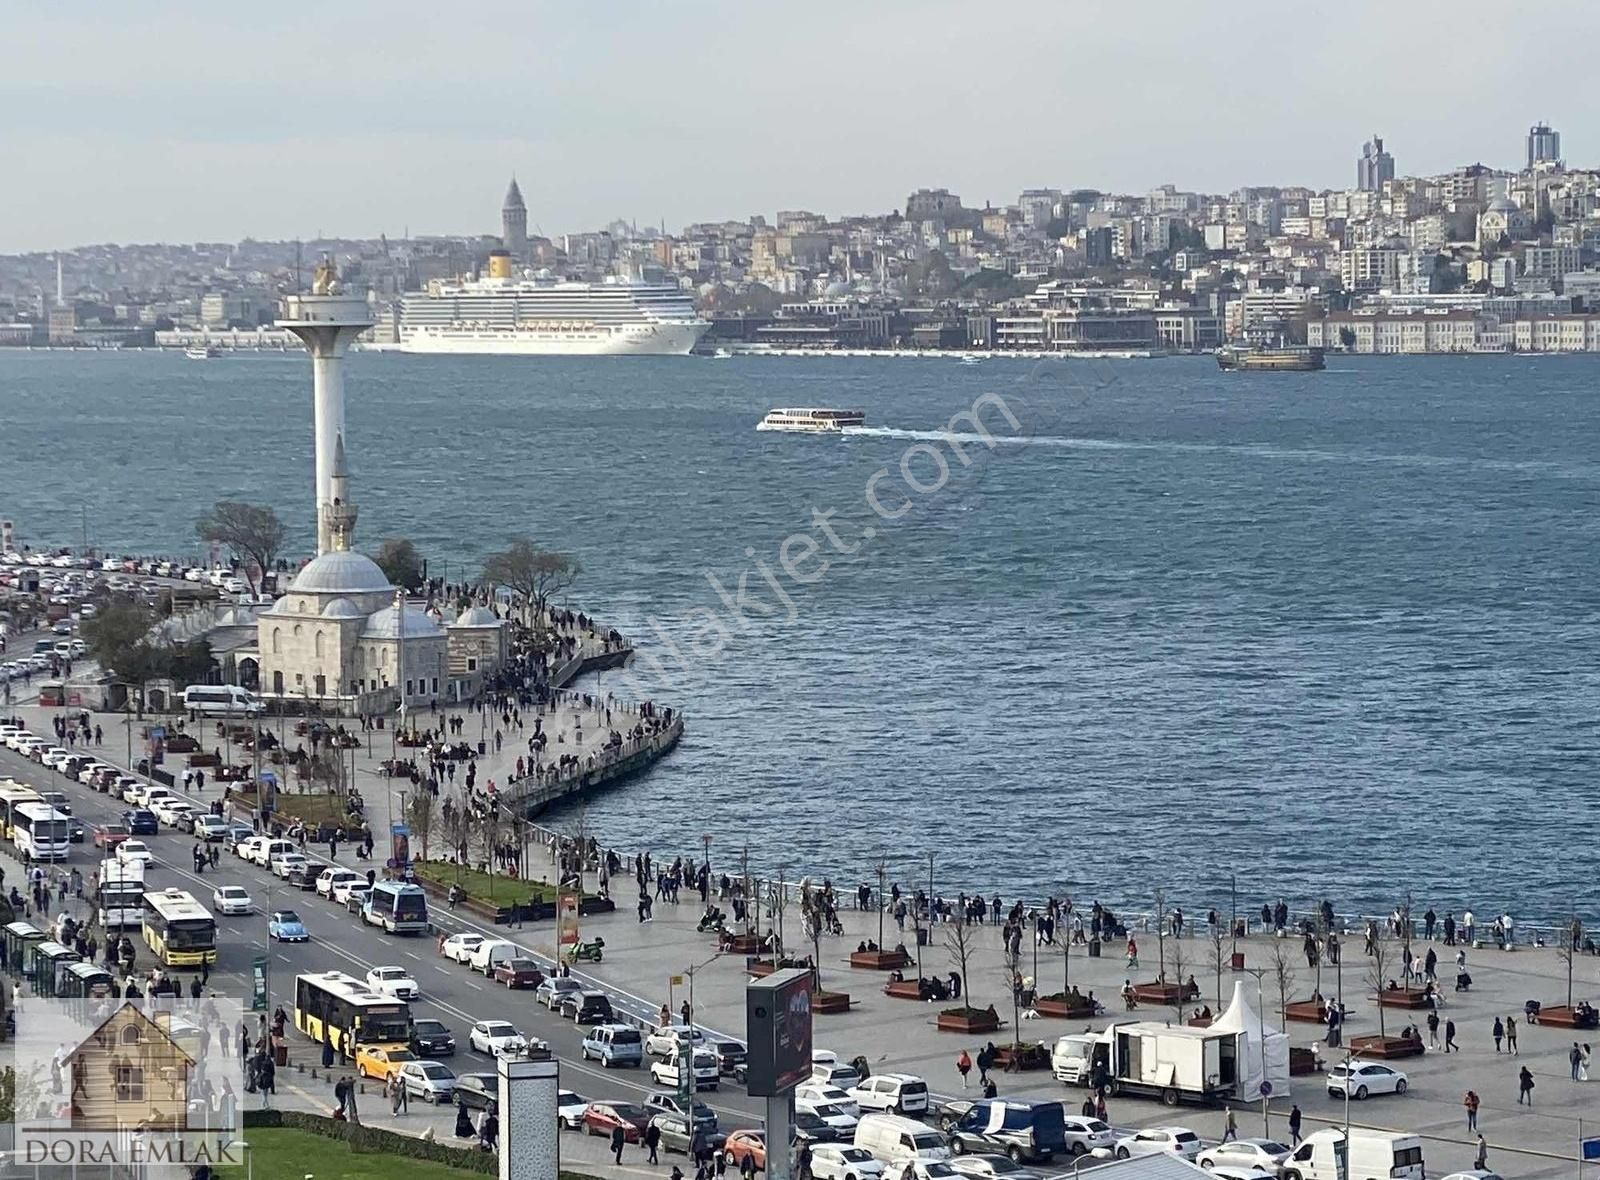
(413, 955)
(472, 984)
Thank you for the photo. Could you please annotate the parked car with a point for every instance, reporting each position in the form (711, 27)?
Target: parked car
(811, 1128)
(841, 1161)
(569, 1109)
(333, 875)
(992, 1167)
(552, 990)
(1086, 1134)
(458, 947)
(516, 973)
(747, 1142)
(665, 1039)
(431, 1038)
(1152, 1140)
(613, 1045)
(210, 828)
(732, 1056)
(587, 1007)
(676, 1135)
(668, 1071)
(897, 1093)
(813, 1093)
(1261, 1155)
(304, 876)
(286, 926)
(671, 1102)
(600, 1117)
(1364, 1078)
(428, 1080)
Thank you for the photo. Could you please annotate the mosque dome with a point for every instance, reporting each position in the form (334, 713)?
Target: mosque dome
(477, 616)
(341, 572)
(343, 608)
(387, 623)
(1502, 205)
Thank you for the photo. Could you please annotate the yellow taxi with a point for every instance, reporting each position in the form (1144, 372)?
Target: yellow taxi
(377, 1061)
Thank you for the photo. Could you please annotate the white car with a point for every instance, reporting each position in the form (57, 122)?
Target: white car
(54, 756)
(706, 1071)
(1258, 1155)
(132, 850)
(87, 773)
(664, 1039)
(497, 1038)
(210, 827)
(1178, 1141)
(342, 889)
(898, 1093)
(16, 738)
(169, 809)
(393, 981)
(284, 863)
(991, 1167)
(840, 1161)
(232, 899)
(193, 574)
(817, 1093)
(1363, 1078)
(1086, 1134)
(837, 1117)
(458, 947)
(331, 879)
(569, 1109)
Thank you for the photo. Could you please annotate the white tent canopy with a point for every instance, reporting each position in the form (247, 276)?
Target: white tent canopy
(1263, 1049)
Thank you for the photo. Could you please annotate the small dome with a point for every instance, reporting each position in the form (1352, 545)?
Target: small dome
(342, 608)
(477, 616)
(387, 622)
(1503, 205)
(341, 573)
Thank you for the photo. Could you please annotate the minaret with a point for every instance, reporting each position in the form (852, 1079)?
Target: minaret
(514, 224)
(327, 321)
(61, 286)
(338, 518)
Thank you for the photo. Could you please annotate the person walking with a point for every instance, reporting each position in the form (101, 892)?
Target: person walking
(1231, 1129)
(652, 1141)
(1471, 1102)
(1433, 1029)
(964, 1067)
(1574, 1060)
(1294, 1125)
(1525, 1087)
(1583, 1064)
(1511, 1035)
(986, 1059)
(1498, 1032)
(618, 1139)
(1450, 1037)
(1482, 1162)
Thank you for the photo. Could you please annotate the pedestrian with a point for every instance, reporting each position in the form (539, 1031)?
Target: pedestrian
(652, 1141)
(1574, 1059)
(1433, 1029)
(1511, 1035)
(1583, 1064)
(990, 1090)
(1294, 1125)
(986, 1059)
(1231, 1129)
(963, 1067)
(1483, 1154)
(1470, 1102)
(617, 1141)
(1498, 1032)
(1450, 1037)
(1525, 1086)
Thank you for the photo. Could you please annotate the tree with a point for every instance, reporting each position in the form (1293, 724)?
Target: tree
(252, 532)
(1161, 935)
(1571, 940)
(960, 942)
(535, 575)
(401, 563)
(1012, 965)
(814, 921)
(421, 810)
(1219, 955)
(118, 639)
(1283, 975)
(1378, 972)
(1180, 965)
(457, 829)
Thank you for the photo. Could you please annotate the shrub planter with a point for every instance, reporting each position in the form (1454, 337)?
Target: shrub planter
(1164, 994)
(1561, 1016)
(1064, 1007)
(1305, 1011)
(903, 989)
(1026, 1056)
(1386, 1048)
(764, 967)
(969, 1020)
(830, 1003)
(1302, 1062)
(1200, 1021)
(892, 960)
(1403, 997)
(741, 944)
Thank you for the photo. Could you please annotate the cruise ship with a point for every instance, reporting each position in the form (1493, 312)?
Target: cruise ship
(545, 316)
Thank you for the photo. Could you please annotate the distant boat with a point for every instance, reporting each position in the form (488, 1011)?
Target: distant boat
(209, 352)
(721, 354)
(1278, 359)
(811, 421)
(969, 359)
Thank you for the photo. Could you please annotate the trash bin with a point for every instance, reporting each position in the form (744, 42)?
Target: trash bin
(280, 1053)
(922, 936)
(1094, 948)
(480, 749)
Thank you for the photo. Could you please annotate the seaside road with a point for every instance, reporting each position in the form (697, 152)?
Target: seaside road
(897, 1035)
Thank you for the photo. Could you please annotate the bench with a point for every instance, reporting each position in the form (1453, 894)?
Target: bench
(880, 960)
(1385, 1048)
(830, 1003)
(1069, 1007)
(1561, 1016)
(1165, 993)
(1403, 997)
(1306, 1011)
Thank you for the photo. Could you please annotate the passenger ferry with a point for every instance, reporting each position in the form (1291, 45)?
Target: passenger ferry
(209, 352)
(812, 421)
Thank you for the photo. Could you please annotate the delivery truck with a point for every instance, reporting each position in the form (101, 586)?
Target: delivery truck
(1175, 1063)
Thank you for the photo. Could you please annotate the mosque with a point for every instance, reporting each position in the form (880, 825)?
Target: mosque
(342, 636)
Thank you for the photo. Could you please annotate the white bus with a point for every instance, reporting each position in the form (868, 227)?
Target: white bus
(40, 832)
(216, 700)
(119, 894)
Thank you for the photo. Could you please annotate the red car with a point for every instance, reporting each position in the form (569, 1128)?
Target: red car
(108, 836)
(751, 1143)
(601, 1117)
(518, 973)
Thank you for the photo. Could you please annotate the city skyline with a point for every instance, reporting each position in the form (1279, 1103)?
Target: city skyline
(710, 111)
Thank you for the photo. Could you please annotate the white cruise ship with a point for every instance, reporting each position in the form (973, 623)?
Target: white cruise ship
(543, 316)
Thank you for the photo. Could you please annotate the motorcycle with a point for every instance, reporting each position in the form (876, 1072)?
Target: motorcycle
(590, 952)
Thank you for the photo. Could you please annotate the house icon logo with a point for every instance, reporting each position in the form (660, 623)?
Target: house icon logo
(129, 1074)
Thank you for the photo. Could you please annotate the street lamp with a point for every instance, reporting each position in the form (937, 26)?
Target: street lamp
(1261, 1034)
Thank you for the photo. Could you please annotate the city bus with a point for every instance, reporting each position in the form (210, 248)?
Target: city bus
(337, 1009)
(180, 930)
(399, 907)
(119, 894)
(13, 795)
(39, 832)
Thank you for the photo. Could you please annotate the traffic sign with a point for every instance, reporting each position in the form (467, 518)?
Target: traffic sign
(1591, 1148)
(1266, 1089)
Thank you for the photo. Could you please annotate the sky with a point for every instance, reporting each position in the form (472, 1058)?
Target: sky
(163, 121)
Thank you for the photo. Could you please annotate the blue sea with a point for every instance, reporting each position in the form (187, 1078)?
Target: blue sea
(1145, 625)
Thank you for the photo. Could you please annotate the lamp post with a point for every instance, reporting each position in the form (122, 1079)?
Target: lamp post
(1261, 1034)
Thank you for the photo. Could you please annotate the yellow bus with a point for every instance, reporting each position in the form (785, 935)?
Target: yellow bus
(180, 930)
(333, 1007)
(12, 796)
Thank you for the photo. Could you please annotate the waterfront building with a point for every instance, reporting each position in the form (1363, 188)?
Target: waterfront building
(1544, 145)
(1375, 166)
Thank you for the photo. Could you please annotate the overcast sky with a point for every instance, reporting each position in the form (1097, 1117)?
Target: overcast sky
(163, 121)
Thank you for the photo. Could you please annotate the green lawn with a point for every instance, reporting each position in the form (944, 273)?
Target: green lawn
(281, 1153)
(494, 888)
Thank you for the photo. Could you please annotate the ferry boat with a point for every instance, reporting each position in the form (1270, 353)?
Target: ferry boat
(812, 421)
(207, 353)
(547, 316)
(1274, 359)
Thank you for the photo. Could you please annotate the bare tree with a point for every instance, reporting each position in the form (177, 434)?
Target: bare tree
(421, 810)
(489, 833)
(1180, 964)
(813, 920)
(1219, 955)
(1378, 973)
(1011, 966)
(534, 575)
(1571, 939)
(1283, 974)
(960, 942)
(457, 830)
(252, 532)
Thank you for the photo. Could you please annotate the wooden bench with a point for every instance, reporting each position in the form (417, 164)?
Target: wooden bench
(1403, 997)
(1164, 993)
(1385, 1048)
(830, 1003)
(880, 960)
(1306, 1011)
(1069, 1008)
(741, 944)
(903, 989)
(1561, 1016)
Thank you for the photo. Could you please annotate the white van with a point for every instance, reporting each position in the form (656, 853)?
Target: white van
(1374, 1155)
(213, 700)
(491, 951)
(895, 1140)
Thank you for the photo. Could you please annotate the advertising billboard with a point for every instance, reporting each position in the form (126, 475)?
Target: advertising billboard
(778, 1031)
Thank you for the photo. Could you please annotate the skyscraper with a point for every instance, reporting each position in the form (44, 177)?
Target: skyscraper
(1374, 166)
(1544, 143)
(514, 223)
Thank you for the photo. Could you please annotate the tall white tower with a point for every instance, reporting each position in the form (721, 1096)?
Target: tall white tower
(326, 322)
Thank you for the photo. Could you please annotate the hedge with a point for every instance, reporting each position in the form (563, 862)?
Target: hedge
(377, 1140)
